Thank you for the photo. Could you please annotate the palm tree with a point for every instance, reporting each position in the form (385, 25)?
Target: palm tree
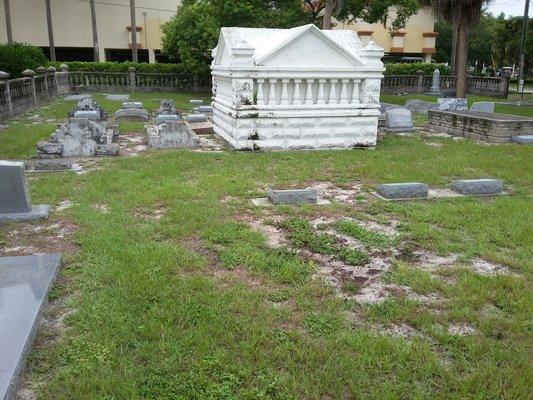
(95, 32)
(50, 31)
(462, 14)
(8, 22)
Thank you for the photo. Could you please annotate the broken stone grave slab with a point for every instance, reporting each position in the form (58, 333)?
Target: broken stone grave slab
(478, 186)
(409, 190)
(24, 286)
(89, 114)
(132, 114)
(89, 109)
(204, 110)
(117, 97)
(50, 165)
(293, 196)
(421, 106)
(196, 102)
(171, 135)
(522, 139)
(452, 104)
(15, 204)
(398, 120)
(484, 106)
(162, 118)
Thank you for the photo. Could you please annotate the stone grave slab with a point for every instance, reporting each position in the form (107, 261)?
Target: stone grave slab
(202, 128)
(162, 118)
(293, 196)
(400, 191)
(484, 106)
(205, 110)
(132, 114)
(421, 106)
(77, 96)
(193, 118)
(52, 164)
(15, 204)
(452, 104)
(132, 104)
(117, 97)
(196, 102)
(478, 186)
(522, 139)
(88, 114)
(24, 286)
(174, 134)
(398, 120)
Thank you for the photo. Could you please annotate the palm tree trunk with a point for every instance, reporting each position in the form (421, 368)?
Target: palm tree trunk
(135, 57)
(462, 58)
(95, 32)
(50, 31)
(328, 11)
(8, 22)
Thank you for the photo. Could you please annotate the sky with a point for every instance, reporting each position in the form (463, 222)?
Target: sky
(509, 7)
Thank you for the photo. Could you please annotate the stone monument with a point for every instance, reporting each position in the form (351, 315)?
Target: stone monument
(89, 109)
(300, 88)
(166, 113)
(435, 84)
(15, 204)
(132, 111)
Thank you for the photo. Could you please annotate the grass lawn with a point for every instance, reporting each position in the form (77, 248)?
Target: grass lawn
(169, 293)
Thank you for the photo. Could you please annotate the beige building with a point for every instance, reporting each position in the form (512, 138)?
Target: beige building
(73, 35)
(416, 42)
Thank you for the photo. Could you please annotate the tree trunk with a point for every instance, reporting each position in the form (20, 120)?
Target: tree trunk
(453, 58)
(462, 58)
(328, 11)
(50, 31)
(8, 22)
(134, 54)
(95, 32)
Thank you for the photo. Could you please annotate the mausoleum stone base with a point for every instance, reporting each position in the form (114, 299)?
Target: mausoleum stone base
(297, 133)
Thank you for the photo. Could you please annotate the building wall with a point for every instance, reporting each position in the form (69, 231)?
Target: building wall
(417, 38)
(71, 21)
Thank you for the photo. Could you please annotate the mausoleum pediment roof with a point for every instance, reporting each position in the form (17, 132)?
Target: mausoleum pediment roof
(277, 46)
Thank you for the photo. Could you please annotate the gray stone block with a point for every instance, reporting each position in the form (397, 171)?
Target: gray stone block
(522, 139)
(421, 106)
(409, 190)
(194, 118)
(205, 109)
(88, 114)
(196, 102)
(111, 149)
(117, 97)
(484, 106)
(452, 104)
(77, 96)
(162, 118)
(132, 104)
(24, 286)
(14, 195)
(46, 147)
(477, 186)
(293, 196)
(398, 120)
(52, 165)
(41, 211)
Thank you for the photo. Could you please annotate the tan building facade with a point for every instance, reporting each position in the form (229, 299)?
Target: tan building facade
(415, 42)
(73, 35)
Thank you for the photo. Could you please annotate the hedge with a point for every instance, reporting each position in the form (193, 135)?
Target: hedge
(16, 57)
(412, 69)
(112, 66)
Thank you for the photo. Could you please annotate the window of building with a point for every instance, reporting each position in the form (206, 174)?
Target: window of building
(122, 55)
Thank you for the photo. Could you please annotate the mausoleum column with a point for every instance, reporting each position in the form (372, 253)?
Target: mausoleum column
(344, 91)
(284, 92)
(309, 91)
(333, 92)
(260, 93)
(272, 92)
(321, 96)
(355, 92)
(296, 98)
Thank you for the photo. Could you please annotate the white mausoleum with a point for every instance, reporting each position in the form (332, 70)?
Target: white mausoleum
(300, 88)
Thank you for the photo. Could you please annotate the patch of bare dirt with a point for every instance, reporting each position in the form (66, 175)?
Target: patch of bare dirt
(461, 330)
(275, 237)
(132, 145)
(103, 208)
(483, 267)
(39, 237)
(397, 330)
(350, 195)
(152, 215)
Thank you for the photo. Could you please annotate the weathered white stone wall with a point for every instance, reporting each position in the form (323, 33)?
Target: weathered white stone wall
(309, 89)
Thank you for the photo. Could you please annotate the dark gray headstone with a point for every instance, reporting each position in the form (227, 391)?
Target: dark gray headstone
(24, 286)
(162, 118)
(398, 120)
(205, 109)
(196, 102)
(14, 196)
(409, 190)
(132, 114)
(477, 186)
(88, 114)
(522, 139)
(293, 196)
(194, 118)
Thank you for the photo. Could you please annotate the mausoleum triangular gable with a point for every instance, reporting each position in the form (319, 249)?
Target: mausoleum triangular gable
(309, 46)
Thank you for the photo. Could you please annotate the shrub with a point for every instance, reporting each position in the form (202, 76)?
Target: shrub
(112, 66)
(411, 69)
(16, 57)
